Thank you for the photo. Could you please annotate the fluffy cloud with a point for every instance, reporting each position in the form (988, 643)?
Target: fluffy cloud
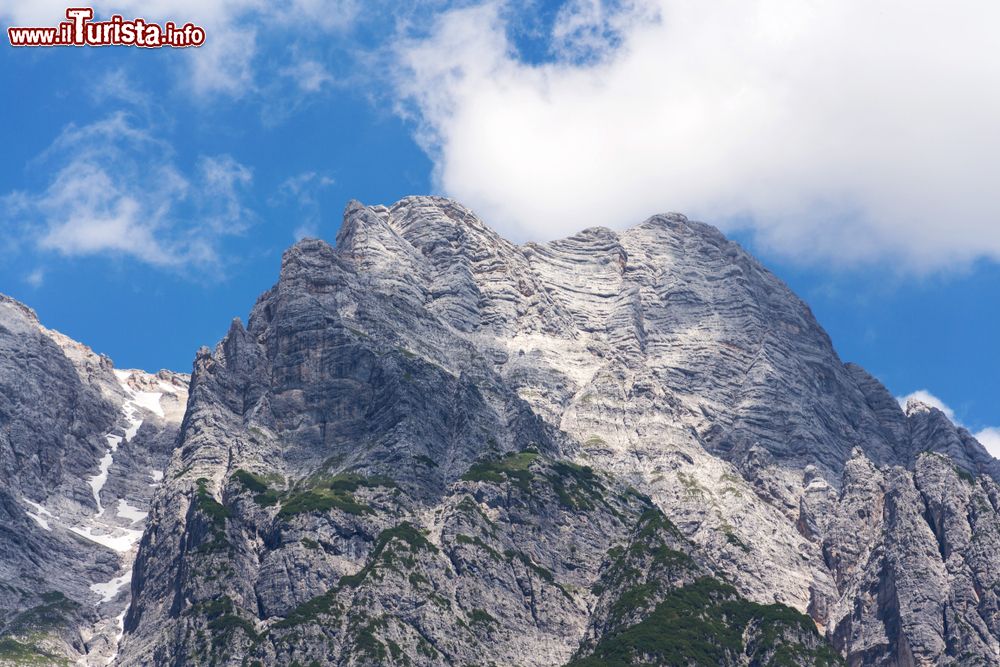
(838, 130)
(927, 398)
(115, 190)
(235, 28)
(989, 437)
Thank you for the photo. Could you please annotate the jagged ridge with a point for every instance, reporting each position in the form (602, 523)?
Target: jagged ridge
(420, 451)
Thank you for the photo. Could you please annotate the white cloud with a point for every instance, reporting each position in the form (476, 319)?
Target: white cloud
(988, 437)
(222, 183)
(35, 278)
(838, 130)
(234, 28)
(927, 398)
(302, 191)
(309, 75)
(115, 189)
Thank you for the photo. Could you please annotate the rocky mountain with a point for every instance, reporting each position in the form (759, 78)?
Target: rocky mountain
(83, 446)
(430, 446)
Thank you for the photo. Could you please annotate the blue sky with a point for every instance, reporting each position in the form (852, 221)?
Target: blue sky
(146, 195)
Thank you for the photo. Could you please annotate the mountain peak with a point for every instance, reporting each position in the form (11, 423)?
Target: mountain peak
(424, 422)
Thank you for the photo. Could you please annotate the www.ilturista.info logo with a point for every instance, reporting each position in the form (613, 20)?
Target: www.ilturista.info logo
(80, 30)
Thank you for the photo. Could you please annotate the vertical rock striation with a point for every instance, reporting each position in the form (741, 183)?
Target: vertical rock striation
(82, 450)
(431, 446)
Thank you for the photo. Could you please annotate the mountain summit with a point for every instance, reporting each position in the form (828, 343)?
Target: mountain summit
(431, 446)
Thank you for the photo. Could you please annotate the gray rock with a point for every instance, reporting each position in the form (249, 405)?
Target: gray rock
(76, 476)
(429, 445)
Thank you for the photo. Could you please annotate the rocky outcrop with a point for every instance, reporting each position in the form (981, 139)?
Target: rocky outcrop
(82, 449)
(429, 445)
(909, 549)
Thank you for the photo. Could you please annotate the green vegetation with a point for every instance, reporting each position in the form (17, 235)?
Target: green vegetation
(320, 500)
(406, 534)
(704, 623)
(320, 493)
(510, 556)
(577, 487)
(55, 611)
(398, 544)
(217, 544)
(475, 541)
(480, 617)
(630, 569)
(962, 473)
(321, 605)
(357, 332)
(257, 485)
(652, 522)
(317, 493)
(368, 645)
(543, 573)
(185, 470)
(224, 626)
(737, 542)
(692, 488)
(253, 483)
(223, 620)
(425, 648)
(514, 467)
(19, 653)
(217, 513)
(469, 506)
(210, 507)
(212, 608)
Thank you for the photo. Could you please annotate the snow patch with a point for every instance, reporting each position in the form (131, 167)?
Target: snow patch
(133, 422)
(109, 589)
(133, 514)
(149, 400)
(167, 388)
(102, 528)
(119, 539)
(97, 481)
(118, 638)
(122, 541)
(38, 517)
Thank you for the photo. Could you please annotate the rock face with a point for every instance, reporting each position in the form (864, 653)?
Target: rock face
(430, 446)
(82, 450)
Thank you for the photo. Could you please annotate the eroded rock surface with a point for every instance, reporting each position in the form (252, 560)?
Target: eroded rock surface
(431, 446)
(82, 450)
